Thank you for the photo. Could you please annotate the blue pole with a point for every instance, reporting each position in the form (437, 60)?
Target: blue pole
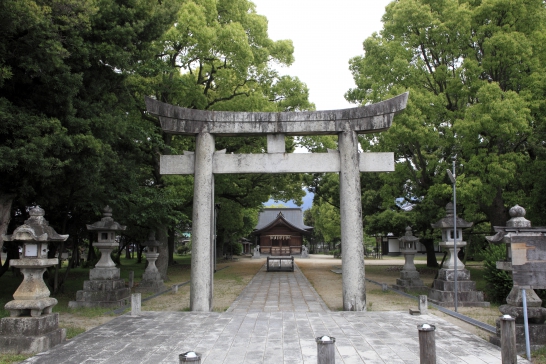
(526, 325)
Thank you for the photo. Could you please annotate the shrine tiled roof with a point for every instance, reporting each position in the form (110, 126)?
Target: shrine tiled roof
(294, 216)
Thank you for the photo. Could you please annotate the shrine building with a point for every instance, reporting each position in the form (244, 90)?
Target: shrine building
(280, 231)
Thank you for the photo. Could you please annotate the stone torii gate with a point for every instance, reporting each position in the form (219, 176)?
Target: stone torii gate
(205, 162)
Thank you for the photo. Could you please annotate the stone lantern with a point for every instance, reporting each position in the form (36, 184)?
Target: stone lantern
(409, 276)
(525, 259)
(151, 279)
(105, 288)
(443, 291)
(32, 327)
(448, 234)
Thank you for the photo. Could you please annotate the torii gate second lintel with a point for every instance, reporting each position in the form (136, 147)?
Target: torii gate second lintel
(206, 161)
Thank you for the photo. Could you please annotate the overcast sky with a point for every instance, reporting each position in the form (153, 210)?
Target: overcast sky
(326, 35)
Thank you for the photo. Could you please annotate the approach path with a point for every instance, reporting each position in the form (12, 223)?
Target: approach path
(275, 320)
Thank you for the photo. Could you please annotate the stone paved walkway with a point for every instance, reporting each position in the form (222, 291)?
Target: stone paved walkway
(264, 326)
(279, 291)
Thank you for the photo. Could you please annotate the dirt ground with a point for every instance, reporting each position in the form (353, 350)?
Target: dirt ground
(229, 281)
(329, 285)
(233, 276)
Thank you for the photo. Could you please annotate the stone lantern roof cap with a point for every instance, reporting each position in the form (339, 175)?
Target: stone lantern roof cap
(35, 228)
(151, 240)
(107, 223)
(409, 237)
(447, 222)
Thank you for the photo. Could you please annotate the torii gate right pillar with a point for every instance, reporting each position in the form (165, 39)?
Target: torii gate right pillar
(354, 292)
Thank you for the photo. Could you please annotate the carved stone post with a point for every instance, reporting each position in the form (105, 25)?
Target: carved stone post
(354, 291)
(201, 276)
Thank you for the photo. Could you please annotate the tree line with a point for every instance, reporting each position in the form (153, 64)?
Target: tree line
(75, 135)
(475, 70)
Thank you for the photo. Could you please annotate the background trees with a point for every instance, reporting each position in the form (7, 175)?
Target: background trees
(75, 135)
(475, 74)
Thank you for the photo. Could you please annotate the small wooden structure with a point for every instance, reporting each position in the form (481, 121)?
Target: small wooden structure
(280, 264)
(280, 231)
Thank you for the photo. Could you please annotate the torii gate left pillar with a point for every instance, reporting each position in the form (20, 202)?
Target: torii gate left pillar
(346, 161)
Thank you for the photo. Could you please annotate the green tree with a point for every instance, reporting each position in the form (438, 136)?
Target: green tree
(476, 80)
(218, 56)
(70, 140)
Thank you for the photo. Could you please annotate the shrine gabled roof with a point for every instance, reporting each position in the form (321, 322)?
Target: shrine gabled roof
(292, 217)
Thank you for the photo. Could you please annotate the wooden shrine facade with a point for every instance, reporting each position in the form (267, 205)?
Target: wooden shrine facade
(280, 231)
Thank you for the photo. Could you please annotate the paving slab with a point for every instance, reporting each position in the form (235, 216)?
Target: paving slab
(257, 328)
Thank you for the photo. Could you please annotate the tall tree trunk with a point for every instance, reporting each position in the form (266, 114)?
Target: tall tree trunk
(12, 253)
(162, 262)
(6, 201)
(496, 212)
(431, 254)
(140, 248)
(170, 245)
(57, 268)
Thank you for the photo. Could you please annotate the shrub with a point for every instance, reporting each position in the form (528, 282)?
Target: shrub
(233, 248)
(499, 282)
(183, 249)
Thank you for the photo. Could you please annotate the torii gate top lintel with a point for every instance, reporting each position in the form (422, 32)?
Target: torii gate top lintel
(365, 119)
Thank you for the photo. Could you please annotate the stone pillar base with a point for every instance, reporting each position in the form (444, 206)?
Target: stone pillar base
(104, 273)
(413, 285)
(30, 335)
(537, 336)
(443, 290)
(102, 293)
(150, 286)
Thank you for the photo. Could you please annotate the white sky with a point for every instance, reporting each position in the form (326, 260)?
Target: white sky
(326, 35)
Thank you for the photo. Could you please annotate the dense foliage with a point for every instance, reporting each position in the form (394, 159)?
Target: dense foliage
(499, 282)
(477, 82)
(75, 135)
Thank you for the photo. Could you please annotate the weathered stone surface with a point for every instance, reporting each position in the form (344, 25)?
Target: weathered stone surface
(97, 296)
(535, 315)
(29, 326)
(104, 289)
(33, 286)
(449, 274)
(32, 328)
(150, 286)
(203, 204)
(30, 335)
(104, 273)
(464, 299)
(354, 290)
(537, 336)
(462, 285)
(104, 285)
(31, 344)
(33, 308)
(371, 118)
(515, 297)
(277, 163)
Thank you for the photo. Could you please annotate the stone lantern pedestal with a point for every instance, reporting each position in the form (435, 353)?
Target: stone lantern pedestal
(526, 249)
(32, 327)
(151, 279)
(105, 288)
(443, 290)
(409, 276)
